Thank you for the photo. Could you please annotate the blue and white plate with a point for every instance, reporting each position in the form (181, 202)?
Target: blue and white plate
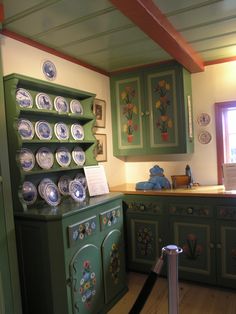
(82, 179)
(49, 70)
(63, 185)
(77, 191)
(78, 156)
(51, 194)
(42, 184)
(24, 98)
(25, 129)
(61, 105)
(27, 159)
(63, 157)
(61, 131)
(76, 107)
(44, 158)
(43, 101)
(43, 130)
(77, 131)
(29, 192)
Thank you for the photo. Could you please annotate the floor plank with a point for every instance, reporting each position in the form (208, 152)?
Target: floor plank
(193, 298)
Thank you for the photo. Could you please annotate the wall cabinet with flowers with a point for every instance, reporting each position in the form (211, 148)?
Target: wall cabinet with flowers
(151, 111)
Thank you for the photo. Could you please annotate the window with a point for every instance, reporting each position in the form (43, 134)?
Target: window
(225, 115)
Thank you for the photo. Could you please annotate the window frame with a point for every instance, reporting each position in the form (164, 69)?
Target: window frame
(220, 109)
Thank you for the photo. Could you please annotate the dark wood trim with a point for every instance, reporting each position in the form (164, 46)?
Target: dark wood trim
(219, 108)
(52, 51)
(148, 17)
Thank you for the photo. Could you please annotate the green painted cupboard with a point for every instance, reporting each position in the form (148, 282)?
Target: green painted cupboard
(152, 111)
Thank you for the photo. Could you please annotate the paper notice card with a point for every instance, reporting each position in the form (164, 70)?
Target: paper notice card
(96, 180)
(229, 171)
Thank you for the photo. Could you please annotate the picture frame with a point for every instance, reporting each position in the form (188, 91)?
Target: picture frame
(101, 147)
(99, 109)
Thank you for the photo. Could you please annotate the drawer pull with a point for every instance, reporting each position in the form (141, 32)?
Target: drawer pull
(189, 210)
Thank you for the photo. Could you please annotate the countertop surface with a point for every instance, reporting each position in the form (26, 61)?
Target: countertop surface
(202, 191)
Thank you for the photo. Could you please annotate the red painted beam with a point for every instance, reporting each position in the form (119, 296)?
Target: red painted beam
(1, 13)
(148, 17)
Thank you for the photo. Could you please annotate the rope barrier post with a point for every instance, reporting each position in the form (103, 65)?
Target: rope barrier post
(172, 252)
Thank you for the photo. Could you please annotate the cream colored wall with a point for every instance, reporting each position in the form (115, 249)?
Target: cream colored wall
(217, 83)
(24, 59)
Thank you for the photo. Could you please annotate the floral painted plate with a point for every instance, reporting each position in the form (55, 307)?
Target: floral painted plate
(78, 156)
(63, 185)
(49, 70)
(43, 130)
(24, 98)
(51, 194)
(76, 107)
(27, 159)
(42, 185)
(61, 105)
(82, 179)
(44, 158)
(77, 191)
(63, 157)
(29, 192)
(25, 129)
(43, 101)
(77, 131)
(61, 131)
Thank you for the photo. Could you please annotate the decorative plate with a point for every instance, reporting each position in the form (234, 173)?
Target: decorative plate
(49, 70)
(51, 194)
(43, 130)
(61, 131)
(82, 179)
(29, 192)
(44, 158)
(63, 157)
(43, 101)
(203, 119)
(42, 184)
(25, 129)
(78, 156)
(204, 137)
(61, 105)
(77, 191)
(63, 185)
(23, 98)
(27, 159)
(77, 131)
(76, 107)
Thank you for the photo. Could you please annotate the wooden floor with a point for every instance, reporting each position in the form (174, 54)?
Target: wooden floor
(193, 298)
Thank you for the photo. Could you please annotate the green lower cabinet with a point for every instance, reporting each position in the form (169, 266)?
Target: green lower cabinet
(196, 238)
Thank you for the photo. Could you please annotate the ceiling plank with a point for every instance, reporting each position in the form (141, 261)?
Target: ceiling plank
(148, 17)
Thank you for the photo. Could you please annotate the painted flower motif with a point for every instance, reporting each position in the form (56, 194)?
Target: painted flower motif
(191, 248)
(164, 122)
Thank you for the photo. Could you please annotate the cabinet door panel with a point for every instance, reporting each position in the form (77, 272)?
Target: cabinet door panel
(113, 264)
(86, 280)
(197, 260)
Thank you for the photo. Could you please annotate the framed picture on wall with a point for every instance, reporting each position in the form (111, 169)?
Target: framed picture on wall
(101, 148)
(99, 109)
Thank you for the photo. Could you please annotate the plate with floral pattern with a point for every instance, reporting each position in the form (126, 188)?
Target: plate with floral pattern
(76, 107)
(61, 131)
(45, 158)
(77, 131)
(29, 192)
(77, 191)
(49, 70)
(25, 129)
(24, 98)
(42, 184)
(51, 194)
(43, 101)
(27, 159)
(61, 105)
(82, 179)
(63, 157)
(43, 130)
(78, 156)
(63, 185)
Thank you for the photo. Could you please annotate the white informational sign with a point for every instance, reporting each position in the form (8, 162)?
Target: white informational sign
(229, 171)
(96, 180)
